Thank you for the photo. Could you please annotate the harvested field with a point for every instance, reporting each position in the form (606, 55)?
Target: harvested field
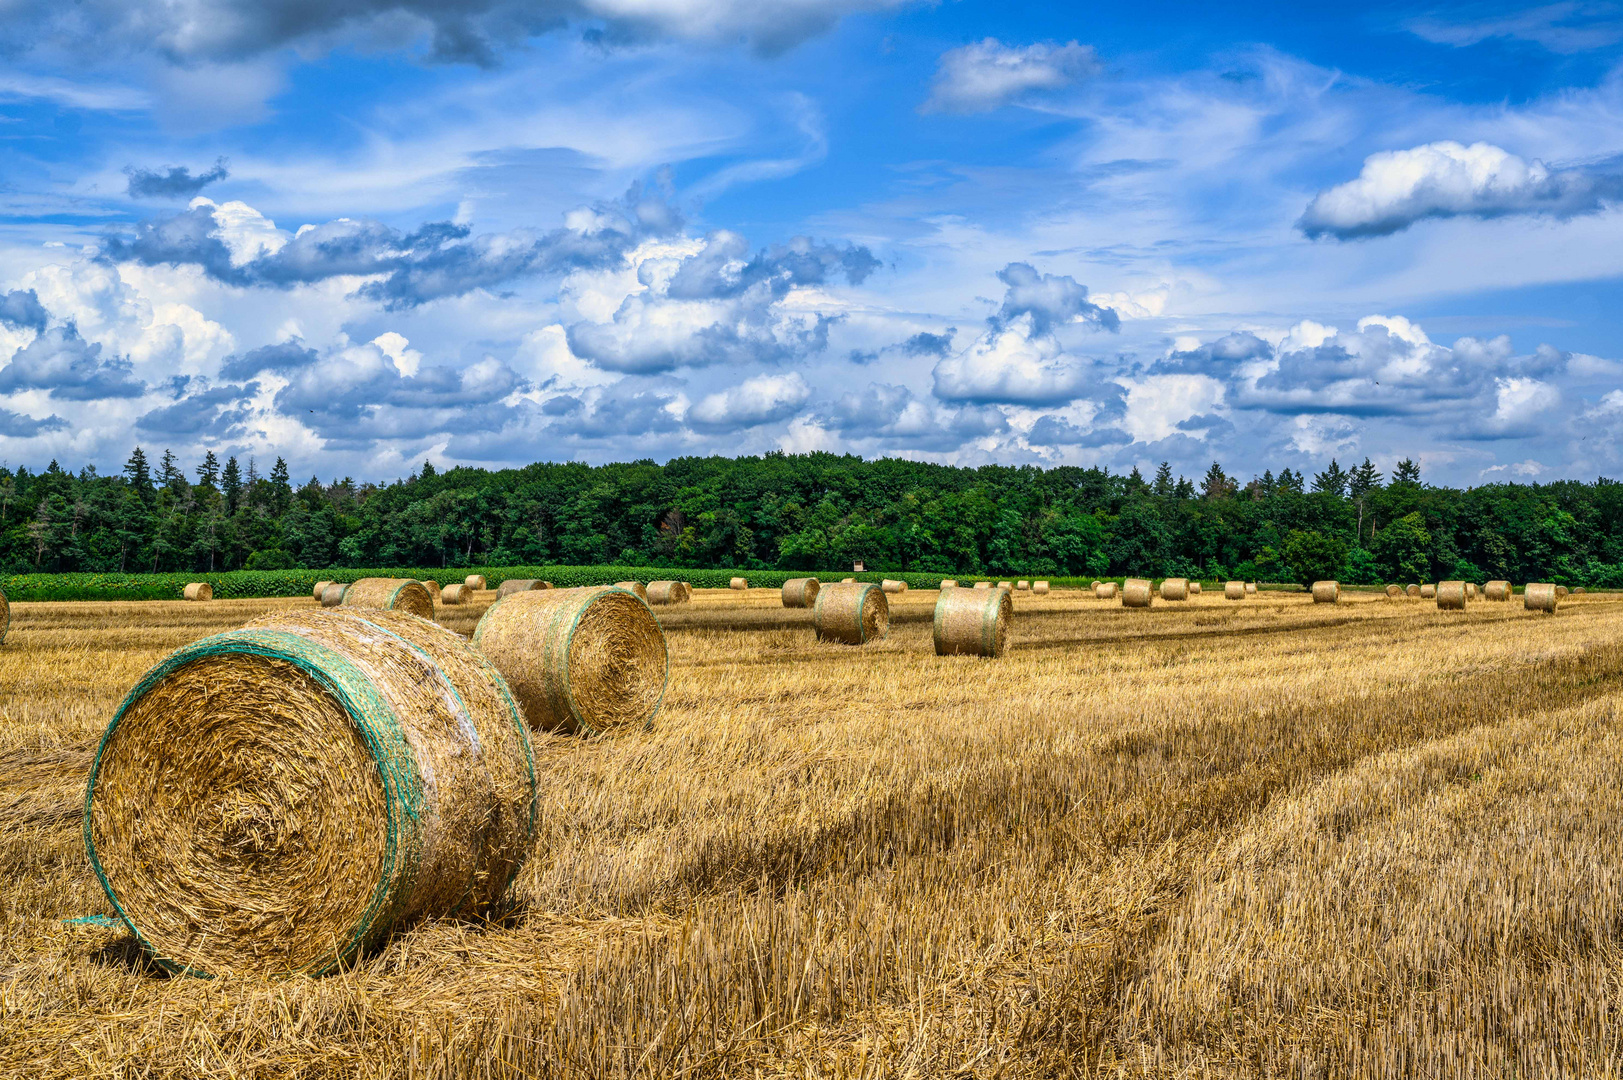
(1262, 839)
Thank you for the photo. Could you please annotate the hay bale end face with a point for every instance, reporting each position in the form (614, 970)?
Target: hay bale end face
(1497, 590)
(513, 585)
(1326, 592)
(199, 590)
(1561, 592)
(1105, 590)
(390, 594)
(1136, 593)
(1412, 592)
(272, 800)
(1428, 592)
(800, 592)
(1234, 590)
(321, 587)
(853, 613)
(970, 625)
(1175, 588)
(738, 583)
(1394, 591)
(1579, 591)
(634, 587)
(669, 592)
(1451, 596)
(892, 585)
(1040, 588)
(585, 660)
(1540, 596)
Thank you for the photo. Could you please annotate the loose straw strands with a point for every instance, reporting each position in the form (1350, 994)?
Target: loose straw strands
(971, 624)
(669, 592)
(587, 660)
(273, 799)
(1540, 596)
(855, 613)
(391, 594)
(1326, 592)
(199, 590)
(1136, 593)
(800, 592)
(1451, 596)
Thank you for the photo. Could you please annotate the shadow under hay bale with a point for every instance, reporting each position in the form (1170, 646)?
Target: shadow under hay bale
(1136, 593)
(800, 592)
(669, 592)
(585, 660)
(513, 585)
(274, 799)
(1326, 592)
(967, 624)
(199, 590)
(852, 614)
(390, 594)
(1540, 596)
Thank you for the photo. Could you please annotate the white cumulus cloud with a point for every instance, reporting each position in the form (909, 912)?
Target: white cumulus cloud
(989, 74)
(761, 400)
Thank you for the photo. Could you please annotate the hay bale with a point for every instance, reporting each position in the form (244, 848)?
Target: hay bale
(333, 594)
(1135, 593)
(1470, 590)
(455, 594)
(970, 625)
(738, 583)
(946, 583)
(1394, 591)
(513, 585)
(1428, 592)
(1561, 592)
(634, 587)
(1095, 584)
(1006, 586)
(5, 616)
(1039, 588)
(321, 587)
(892, 585)
(586, 660)
(199, 590)
(1326, 592)
(800, 592)
(853, 613)
(669, 592)
(1175, 588)
(272, 800)
(1540, 596)
(1194, 588)
(983, 584)
(1497, 590)
(390, 594)
(475, 582)
(1412, 592)
(432, 586)
(847, 580)
(1234, 590)
(1579, 591)
(1250, 588)
(1451, 596)
(1022, 586)
(1105, 590)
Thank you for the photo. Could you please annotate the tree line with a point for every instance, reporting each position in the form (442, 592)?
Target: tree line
(816, 512)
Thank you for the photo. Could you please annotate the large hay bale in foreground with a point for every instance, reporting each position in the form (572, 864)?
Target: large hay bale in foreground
(854, 613)
(586, 660)
(432, 586)
(1540, 596)
(475, 582)
(1039, 588)
(1175, 588)
(970, 625)
(1451, 596)
(273, 799)
(513, 585)
(669, 592)
(321, 587)
(1234, 590)
(634, 587)
(199, 590)
(5, 616)
(738, 583)
(333, 594)
(1428, 592)
(391, 594)
(1394, 591)
(800, 592)
(1497, 590)
(892, 585)
(1136, 593)
(1327, 592)
(1105, 590)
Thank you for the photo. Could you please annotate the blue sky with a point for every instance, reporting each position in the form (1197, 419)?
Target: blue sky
(498, 231)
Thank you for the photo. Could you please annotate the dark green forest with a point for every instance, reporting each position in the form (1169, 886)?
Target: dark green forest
(816, 512)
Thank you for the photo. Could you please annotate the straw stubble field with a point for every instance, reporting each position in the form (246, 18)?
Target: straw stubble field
(1232, 839)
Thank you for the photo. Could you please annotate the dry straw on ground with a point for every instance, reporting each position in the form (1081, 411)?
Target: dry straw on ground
(1497, 590)
(1540, 596)
(634, 587)
(432, 586)
(199, 590)
(967, 624)
(273, 799)
(1136, 593)
(854, 613)
(1040, 588)
(513, 585)
(800, 592)
(587, 660)
(390, 594)
(666, 593)
(738, 583)
(1451, 596)
(1234, 590)
(892, 585)
(321, 587)
(1428, 592)
(1105, 590)
(1175, 588)
(475, 582)
(455, 594)
(1326, 592)
(333, 594)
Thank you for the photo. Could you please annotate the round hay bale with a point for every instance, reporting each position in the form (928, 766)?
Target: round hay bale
(1135, 593)
(1175, 588)
(847, 580)
(391, 594)
(1095, 584)
(1326, 592)
(1470, 590)
(1540, 596)
(1194, 588)
(1412, 592)
(738, 583)
(892, 585)
(1250, 588)
(853, 613)
(634, 587)
(321, 587)
(1394, 591)
(586, 660)
(1428, 592)
(970, 625)
(669, 592)
(199, 590)
(1006, 586)
(432, 586)
(946, 583)
(513, 585)
(800, 592)
(333, 594)
(1040, 588)
(1451, 596)
(1561, 592)
(983, 584)
(1022, 586)
(475, 582)
(1579, 591)
(1234, 590)
(5, 616)
(1497, 590)
(273, 799)
(1105, 590)
(455, 594)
